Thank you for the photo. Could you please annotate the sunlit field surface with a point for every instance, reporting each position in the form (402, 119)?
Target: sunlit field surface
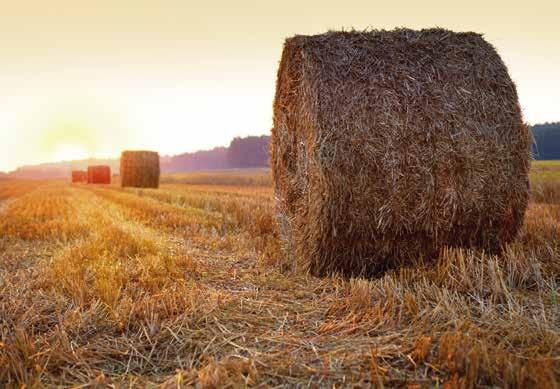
(244, 177)
(188, 285)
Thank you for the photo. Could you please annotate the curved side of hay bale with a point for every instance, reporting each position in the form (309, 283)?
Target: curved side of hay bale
(389, 145)
(140, 169)
(100, 174)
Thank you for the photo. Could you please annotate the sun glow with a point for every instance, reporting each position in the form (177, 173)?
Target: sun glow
(77, 131)
(68, 152)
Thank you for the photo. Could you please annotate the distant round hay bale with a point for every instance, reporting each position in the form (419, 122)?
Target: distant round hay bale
(389, 145)
(140, 169)
(79, 176)
(100, 174)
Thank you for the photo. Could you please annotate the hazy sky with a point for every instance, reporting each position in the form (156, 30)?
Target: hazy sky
(82, 79)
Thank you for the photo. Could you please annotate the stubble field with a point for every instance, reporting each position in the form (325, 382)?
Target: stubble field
(188, 285)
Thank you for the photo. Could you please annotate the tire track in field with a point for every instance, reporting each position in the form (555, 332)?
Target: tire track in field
(253, 213)
(177, 240)
(224, 252)
(160, 215)
(228, 268)
(247, 222)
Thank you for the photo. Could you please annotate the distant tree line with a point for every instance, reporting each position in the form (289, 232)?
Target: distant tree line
(199, 160)
(248, 152)
(547, 140)
(251, 151)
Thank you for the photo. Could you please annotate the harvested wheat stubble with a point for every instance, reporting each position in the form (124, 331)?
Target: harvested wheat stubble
(389, 145)
(140, 169)
(100, 174)
(79, 176)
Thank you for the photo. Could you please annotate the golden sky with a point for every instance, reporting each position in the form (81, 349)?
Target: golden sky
(88, 79)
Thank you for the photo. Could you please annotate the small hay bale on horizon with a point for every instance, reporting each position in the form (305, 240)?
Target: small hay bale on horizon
(388, 146)
(140, 169)
(99, 174)
(79, 176)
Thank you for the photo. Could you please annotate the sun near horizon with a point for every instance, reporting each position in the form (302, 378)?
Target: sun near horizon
(89, 80)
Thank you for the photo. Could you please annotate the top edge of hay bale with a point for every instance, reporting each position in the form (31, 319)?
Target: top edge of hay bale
(385, 35)
(99, 167)
(390, 145)
(140, 168)
(146, 152)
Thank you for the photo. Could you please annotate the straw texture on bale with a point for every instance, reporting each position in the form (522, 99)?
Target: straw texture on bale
(79, 176)
(140, 169)
(389, 145)
(100, 174)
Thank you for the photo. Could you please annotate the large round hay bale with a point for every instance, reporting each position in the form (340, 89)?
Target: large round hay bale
(79, 176)
(140, 169)
(389, 145)
(100, 174)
